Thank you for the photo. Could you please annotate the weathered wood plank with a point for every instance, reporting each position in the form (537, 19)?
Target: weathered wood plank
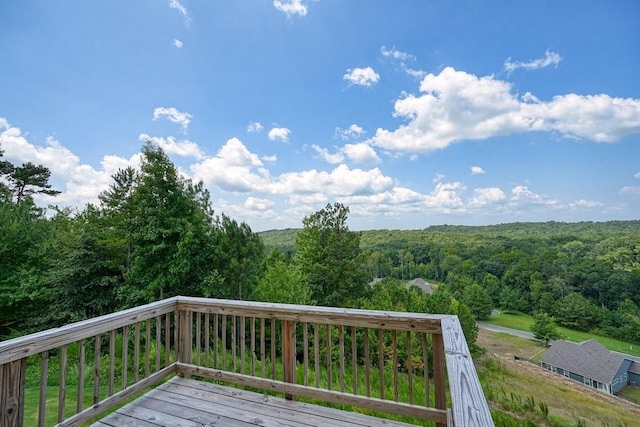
(44, 375)
(12, 380)
(388, 320)
(400, 408)
(469, 405)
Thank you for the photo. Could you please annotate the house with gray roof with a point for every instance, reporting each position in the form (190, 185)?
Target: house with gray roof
(422, 284)
(592, 364)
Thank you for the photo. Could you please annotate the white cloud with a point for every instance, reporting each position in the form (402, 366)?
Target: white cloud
(420, 74)
(290, 7)
(353, 131)
(361, 153)
(362, 76)
(582, 203)
(177, 43)
(396, 54)
(173, 115)
(254, 127)
(255, 203)
(455, 105)
(175, 4)
(637, 175)
(358, 153)
(487, 196)
(550, 58)
(281, 134)
(328, 157)
(477, 170)
(170, 145)
(632, 191)
(271, 159)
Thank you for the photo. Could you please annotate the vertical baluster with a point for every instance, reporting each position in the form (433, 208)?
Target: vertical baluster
(97, 352)
(425, 367)
(215, 340)
(367, 362)
(206, 339)
(381, 363)
(62, 389)
(147, 348)
(354, 361)
(410, 367)
(438, 370)
(242, 344)
(125, 355)
(305, 351)
(44, 375)
(273, 349)
(329, 359)
(81, 365)
(316, 355)
(234, 341)
(136, 353)
(253, 346)
(158, 333)
(395, 364)
(112, 360)
(167, 340)
(224, 342)
(289, 354)
(263, 360)
(198, 336)
(341, 355)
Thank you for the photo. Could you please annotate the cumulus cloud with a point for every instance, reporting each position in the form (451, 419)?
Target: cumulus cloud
(254, 127)
(396, 54)
(550, 58)
(582, 203)
(175, 4)
(362, 76)
(177, 43)
(290, 7)
(477, 170)
(281, 134)
(353, 131)
(455, 105)
(170, 145)
(173, 115)
(487, 196)
(358, 153)
(637, 175)
(419, 74)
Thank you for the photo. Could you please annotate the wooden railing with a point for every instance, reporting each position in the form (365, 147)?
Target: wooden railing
(380, 361)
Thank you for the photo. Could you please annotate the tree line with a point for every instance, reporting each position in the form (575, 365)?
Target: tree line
(154, 234)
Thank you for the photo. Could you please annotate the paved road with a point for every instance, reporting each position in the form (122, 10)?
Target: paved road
(494, 328)
(524, 334)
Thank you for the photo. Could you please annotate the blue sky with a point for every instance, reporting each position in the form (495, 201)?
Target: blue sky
(412, 113)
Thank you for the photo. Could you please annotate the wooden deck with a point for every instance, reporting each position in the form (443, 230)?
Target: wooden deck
(186, 402)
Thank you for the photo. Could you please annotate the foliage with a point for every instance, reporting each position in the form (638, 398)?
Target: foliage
(329, 256)
(544, 328)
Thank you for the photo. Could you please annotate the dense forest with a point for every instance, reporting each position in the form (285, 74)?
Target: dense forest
(155, 234)
(585, 274)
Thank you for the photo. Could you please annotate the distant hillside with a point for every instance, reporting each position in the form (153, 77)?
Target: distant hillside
(285, 239)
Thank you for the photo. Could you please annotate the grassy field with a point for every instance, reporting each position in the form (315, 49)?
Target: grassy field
(523, 322)
(514, 386)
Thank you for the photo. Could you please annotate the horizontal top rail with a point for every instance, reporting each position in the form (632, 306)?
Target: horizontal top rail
(28, 345)
(400, 321)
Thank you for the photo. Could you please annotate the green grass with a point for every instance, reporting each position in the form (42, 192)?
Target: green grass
(523, 322)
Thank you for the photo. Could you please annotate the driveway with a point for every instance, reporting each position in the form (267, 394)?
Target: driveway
(494, 328)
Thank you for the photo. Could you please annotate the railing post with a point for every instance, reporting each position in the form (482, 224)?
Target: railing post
(185, 339)
(12, 381)
(289, 353)
(439, 374)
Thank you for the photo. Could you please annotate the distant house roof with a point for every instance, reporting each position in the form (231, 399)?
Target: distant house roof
(589, 359)
(375, 281)
(422, 284)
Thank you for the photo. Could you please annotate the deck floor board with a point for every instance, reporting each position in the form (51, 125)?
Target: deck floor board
(186, 402)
